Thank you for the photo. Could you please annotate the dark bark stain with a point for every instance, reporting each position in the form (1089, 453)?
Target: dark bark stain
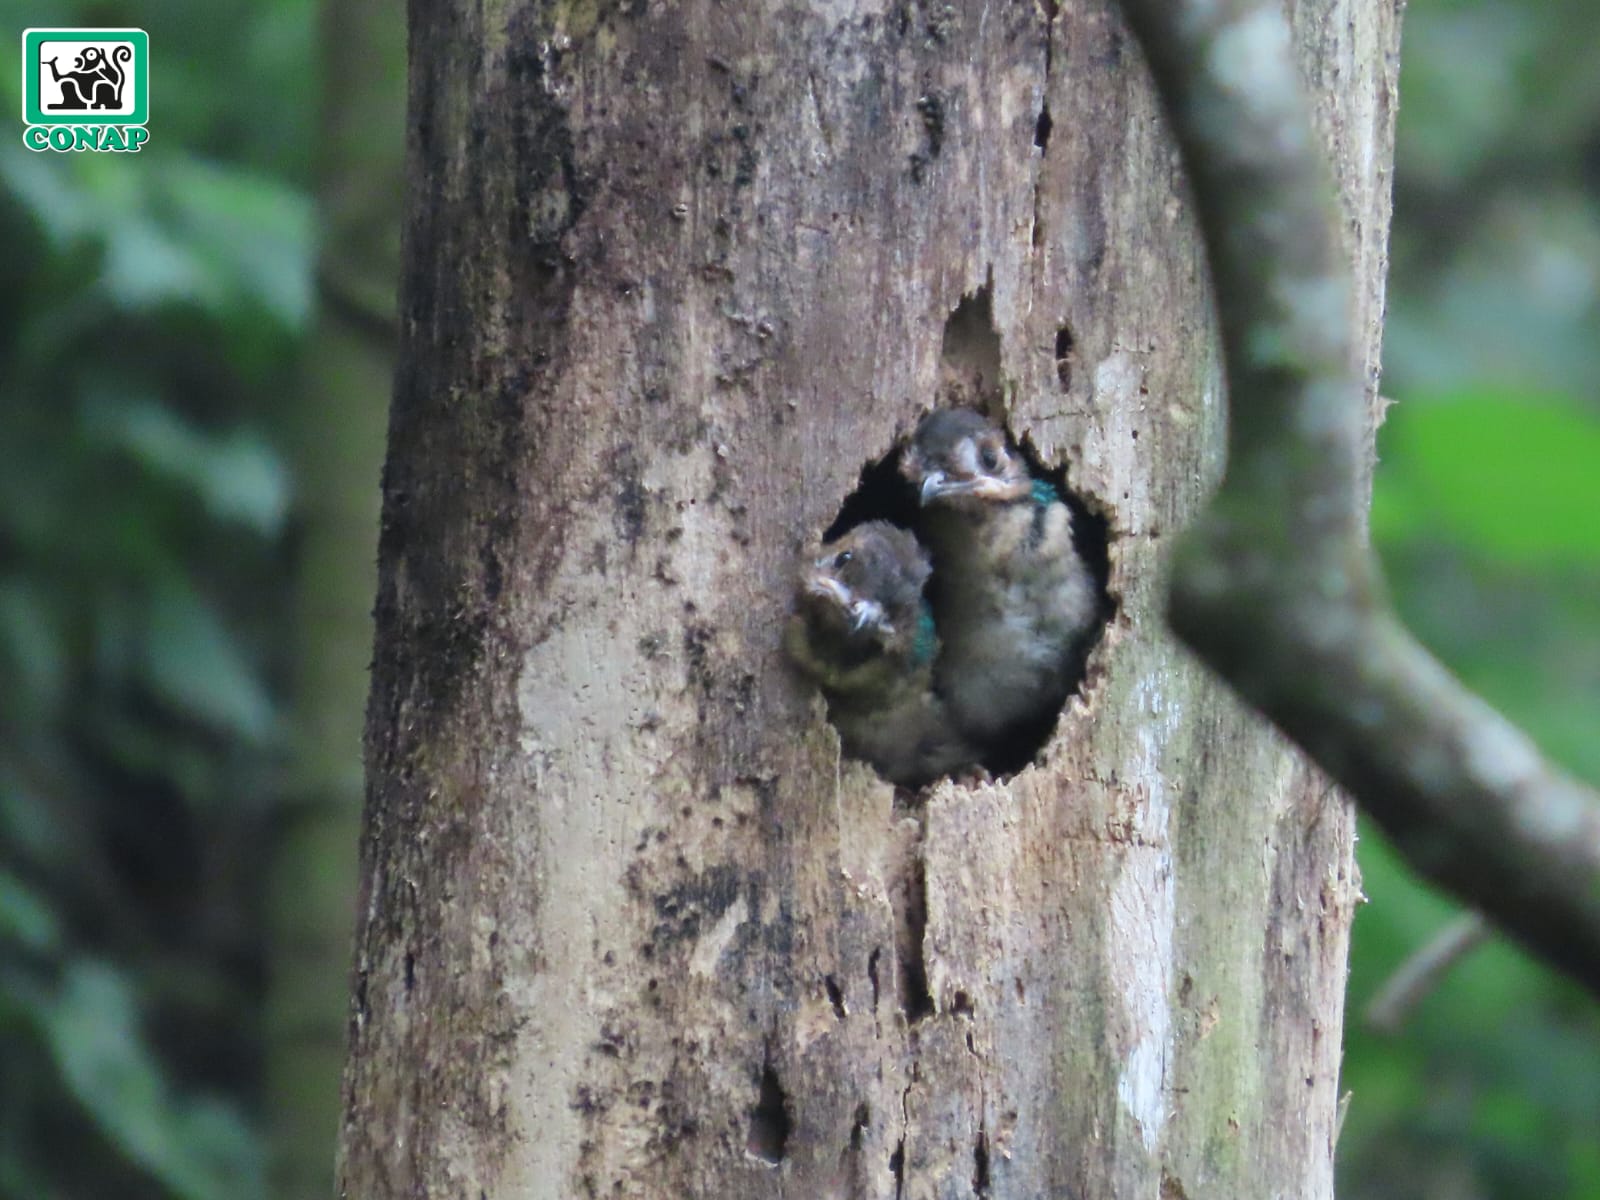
(463, 423)
(628, 496)
(686, 909)
(931, 106)
(550, 195)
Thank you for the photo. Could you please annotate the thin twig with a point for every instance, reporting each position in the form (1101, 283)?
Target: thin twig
(1420, 974)
(1275, 586)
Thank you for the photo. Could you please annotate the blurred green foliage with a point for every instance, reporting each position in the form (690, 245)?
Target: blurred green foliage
(1487, 514)
(151, 312)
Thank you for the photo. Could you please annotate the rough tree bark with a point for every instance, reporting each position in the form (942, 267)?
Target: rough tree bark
(674, 275)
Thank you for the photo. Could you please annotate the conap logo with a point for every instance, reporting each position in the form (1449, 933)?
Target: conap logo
(85, 89)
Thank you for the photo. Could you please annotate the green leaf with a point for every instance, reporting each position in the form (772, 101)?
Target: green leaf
(33, 663)
(63, 211)
(25, 917)
(198, 1150)
(250, 231)
(175, 229)
(238, 475)
(193, 661)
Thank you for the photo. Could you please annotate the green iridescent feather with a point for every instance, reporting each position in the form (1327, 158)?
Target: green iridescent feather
(926, 644)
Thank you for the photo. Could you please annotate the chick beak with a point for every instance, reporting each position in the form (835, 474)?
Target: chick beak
(865, 613)
(829, 588)
(933, 484)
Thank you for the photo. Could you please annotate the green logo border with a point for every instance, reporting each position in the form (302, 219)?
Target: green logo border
(32, 93)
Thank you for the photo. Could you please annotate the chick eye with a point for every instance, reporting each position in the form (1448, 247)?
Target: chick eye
(841, 558)
(989, 457)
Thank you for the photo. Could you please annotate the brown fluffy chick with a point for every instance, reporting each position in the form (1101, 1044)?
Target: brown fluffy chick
(1014, 601)
(863, 632)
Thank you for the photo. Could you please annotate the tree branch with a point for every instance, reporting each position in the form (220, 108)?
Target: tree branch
(1275, 586)
(1420, 974)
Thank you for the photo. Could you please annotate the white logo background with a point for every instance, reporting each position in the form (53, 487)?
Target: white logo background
(66, 59)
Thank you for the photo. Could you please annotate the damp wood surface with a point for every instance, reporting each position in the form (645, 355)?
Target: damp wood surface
(629, 926)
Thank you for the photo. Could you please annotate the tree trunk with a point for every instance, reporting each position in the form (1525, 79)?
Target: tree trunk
(629, 927)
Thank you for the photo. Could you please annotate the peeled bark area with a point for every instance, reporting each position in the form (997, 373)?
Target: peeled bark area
(630, 928)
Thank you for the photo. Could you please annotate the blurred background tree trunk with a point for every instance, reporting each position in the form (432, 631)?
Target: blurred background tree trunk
(627, 926)
(336, 438)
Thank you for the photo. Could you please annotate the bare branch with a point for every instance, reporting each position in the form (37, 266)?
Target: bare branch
(1275, 586)
(1392, 1007)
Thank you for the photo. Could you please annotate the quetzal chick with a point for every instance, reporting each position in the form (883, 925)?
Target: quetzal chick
(864, 633)
(1014, 601)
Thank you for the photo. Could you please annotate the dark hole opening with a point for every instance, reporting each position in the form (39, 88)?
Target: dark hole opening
(1064, 344)
(883, 494)
(858, 1128)
(769, 1120)
(835, 996)
(1041, 129)
(916, 1000)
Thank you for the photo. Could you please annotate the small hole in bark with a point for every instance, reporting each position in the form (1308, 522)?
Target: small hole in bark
(411, 970)
(980, 1164)
(872, 974)
(835, 996)
(1064, 346)
(1041, 129)
(962, 1005)
(969, 357)
(769, 1120)
(858, 1128)
(916, 1001)
(897, 1166)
